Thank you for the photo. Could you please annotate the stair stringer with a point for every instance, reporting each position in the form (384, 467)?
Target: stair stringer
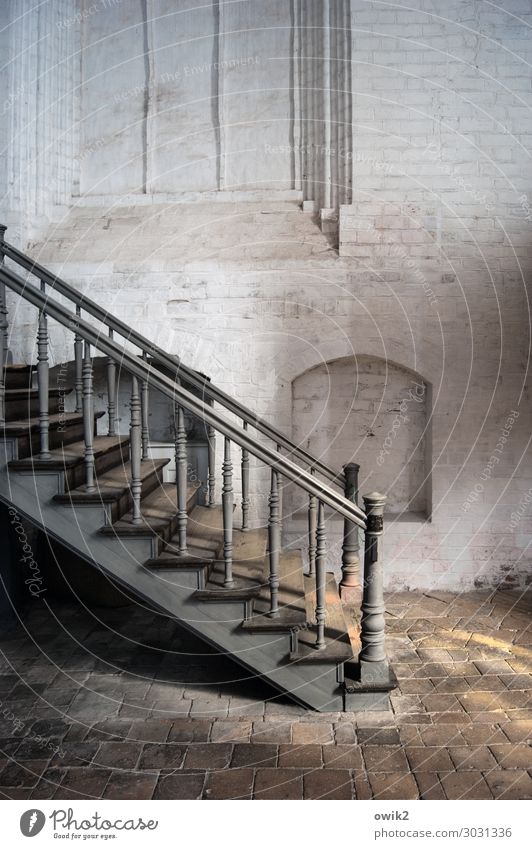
(77, 526)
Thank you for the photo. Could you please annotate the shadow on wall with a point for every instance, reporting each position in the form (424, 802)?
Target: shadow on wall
(372, 412)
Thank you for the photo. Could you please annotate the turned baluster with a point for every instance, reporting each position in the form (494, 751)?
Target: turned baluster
(312, 525)
(350, 548)
(78, 367)
(135, 451)
(145, 399)
(274, 543)
(88, 419)
(43, 378)
(111, 392)
(4, 326)
(321, 610)
(245, 485)
(373, 663)
(280, 491)
(211, 437)
(181, 478)
(227, 509)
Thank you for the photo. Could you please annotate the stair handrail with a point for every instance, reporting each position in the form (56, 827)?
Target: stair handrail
(172, 362)
(142, 370)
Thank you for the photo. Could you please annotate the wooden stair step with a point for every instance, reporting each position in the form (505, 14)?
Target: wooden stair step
(249, 552)
(338, 647)
(204, 539)
(292, 607)
(21, 427)
(74, 454)
(18, 375)
(23, 401)
(113, 486)
(159, 511)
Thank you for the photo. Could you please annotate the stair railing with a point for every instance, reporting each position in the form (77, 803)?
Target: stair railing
(198, 381)
(143, 374)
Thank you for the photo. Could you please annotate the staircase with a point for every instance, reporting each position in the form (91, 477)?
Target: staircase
(104, 498)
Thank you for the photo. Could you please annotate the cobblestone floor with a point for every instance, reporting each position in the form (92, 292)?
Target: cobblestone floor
(88, 711)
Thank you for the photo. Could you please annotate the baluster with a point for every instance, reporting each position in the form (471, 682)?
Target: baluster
(321, 610)
(373, 663)
(88, 419)
(227, 508)
(135, 451)
(3, 335)
(181, 478)
(3, 363)
(43, 377)
(274, 543)
(312, 525)
(245, 485)
(280, 491)
(211, 437)
(111, 392)
(145, 398)
(350, 549)
(78, 368)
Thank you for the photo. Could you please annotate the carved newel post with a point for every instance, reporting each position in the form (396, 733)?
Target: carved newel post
(373, 663)
(350, 589)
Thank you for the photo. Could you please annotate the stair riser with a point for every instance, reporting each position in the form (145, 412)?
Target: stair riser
(75, 476)
(18, 379)
(124, 504)
(28, 409)
(63, 435)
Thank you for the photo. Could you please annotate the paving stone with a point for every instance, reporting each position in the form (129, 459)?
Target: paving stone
(428, 759)
(300, 756)
(345, 732)
(481, 734)
(22, 775)
(226, 731)
(442, 703)
(162, 756)
(278, 784)
(312, 732)
(254, 755)
(205, 709)
(208, 755)
(118, 755)
(441, 735)
(328, 784)
(472, 757)
(385, 759)
(128, 785)
(393, 785)
(342, 756)
(229, 784)
(518, 731)
(272, 732)
(452, 685)
(189, 731)
(416, 686)
(75, 754)
(83, 783)
(465, 785)
(108, 730)
(512, 755)
(181, 785)
(429, 786)
(362, 786)
(510, 784)
(379, 736)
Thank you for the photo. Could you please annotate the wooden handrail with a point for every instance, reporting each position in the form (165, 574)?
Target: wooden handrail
(198, 381)
(138, 367)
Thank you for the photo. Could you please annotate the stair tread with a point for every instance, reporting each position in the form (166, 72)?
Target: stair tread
(112, 484)
(292, 608)
(249, 552)
(26, 392)
(158, 510)
(24, 426)
(71, 454)
(204, 538)
(338, 644)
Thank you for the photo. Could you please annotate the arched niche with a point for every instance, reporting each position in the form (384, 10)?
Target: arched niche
(373, 412)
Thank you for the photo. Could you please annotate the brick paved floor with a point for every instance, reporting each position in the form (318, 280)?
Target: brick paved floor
(88, 711)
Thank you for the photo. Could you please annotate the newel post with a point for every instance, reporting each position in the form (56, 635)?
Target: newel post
(372, 658)
(350, 583)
